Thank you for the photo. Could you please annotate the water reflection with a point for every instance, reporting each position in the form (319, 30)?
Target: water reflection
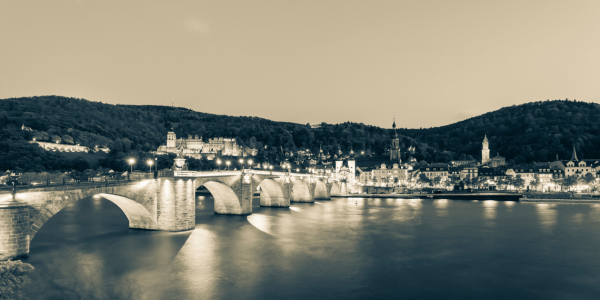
(335, 250)
(490, 209)
(194, 271)
(295, 208)
(200, 202)
(442, 207)
(509, 205)
(261, 222)
(408, 210)
(547, 215)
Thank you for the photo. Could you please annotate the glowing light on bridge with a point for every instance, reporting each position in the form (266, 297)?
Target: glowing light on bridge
(131, 161)
(150, 163)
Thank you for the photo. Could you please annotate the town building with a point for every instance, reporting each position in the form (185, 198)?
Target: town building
(69, 148)
(436, 170)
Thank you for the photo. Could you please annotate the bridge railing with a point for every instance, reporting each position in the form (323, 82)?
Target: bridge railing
(68, 186)
(187, 173)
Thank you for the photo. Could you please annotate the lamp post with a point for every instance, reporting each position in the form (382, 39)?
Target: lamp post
(241, 161)
(219, 164)
(228, 163)
(250, 162)
(150, 163)
(131, 161)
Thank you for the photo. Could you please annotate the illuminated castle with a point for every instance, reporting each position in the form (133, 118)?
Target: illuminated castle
(196, 147)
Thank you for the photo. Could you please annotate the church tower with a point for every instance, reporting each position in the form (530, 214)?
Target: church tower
(574, 155)
(171, 139)
(485, 151)
(395, 146)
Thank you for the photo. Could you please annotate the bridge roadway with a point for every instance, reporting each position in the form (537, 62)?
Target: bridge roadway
(165, 203)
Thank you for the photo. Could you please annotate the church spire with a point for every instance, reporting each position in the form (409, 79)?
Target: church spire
(394, 127)
(574, 155)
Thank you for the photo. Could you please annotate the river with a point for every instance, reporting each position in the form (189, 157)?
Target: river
(333, 249)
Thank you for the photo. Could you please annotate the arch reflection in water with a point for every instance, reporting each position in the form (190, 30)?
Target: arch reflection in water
(195, 268)
(262, 222)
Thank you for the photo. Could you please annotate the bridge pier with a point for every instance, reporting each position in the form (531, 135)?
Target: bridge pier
(14, 226)
(275, 193)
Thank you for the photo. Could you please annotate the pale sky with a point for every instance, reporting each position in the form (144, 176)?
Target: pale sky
(430, 63)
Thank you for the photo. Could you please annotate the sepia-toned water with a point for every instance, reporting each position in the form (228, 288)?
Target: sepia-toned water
(338, 249)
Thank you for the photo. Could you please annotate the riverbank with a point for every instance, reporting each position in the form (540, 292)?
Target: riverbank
(452, 196)
(569, 200)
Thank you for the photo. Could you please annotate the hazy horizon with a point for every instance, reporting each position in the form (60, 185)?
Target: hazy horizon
(429, 63)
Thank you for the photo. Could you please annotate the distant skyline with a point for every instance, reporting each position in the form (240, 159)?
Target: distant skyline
(429, 63)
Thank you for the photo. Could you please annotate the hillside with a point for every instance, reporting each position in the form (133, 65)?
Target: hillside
(537, 131)
(530, 132)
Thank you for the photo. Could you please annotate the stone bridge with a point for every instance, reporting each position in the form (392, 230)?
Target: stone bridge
(166, 203)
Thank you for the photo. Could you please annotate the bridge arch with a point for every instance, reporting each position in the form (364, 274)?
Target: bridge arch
(139, 217)
(226, 200)
(301, 192)
(321, 190)
(335, 189)
(271, 194)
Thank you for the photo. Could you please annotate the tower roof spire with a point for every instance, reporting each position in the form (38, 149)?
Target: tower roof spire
(574, 155)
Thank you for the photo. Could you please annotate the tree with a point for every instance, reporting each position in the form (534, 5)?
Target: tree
(423, 179)
(558, 183)
(13, 277)
(437, 180)
(467, 181)
(589, 180)
(518, 182)
(535, 183)
(570, 182)
(68, 139)
(55, 139)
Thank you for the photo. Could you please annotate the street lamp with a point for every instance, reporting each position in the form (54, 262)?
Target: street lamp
(150, 163)
(228, 163)
(219, 164)
(241, 161)
(250, 163)
(131, 161)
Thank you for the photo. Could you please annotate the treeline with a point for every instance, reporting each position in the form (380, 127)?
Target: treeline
(530, 132)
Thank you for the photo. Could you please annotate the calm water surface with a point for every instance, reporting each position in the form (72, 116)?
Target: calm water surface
(338, 249)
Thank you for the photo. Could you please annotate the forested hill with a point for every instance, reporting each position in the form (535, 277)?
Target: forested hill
(524, 133)
(536, 131)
